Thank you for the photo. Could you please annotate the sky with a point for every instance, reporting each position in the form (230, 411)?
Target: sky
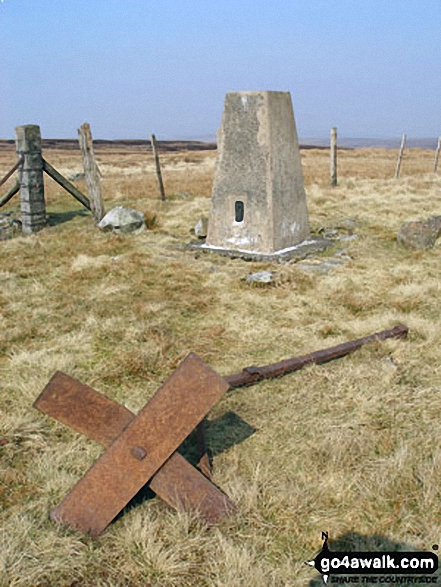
(131, 68)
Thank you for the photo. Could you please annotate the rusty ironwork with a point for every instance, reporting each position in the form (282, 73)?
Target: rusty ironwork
(251, 375)
(8, 175)
(139, 452)
(141, 448)
(82, 408)
(204, 463)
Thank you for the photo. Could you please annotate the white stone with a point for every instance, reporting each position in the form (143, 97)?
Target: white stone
(123, 220)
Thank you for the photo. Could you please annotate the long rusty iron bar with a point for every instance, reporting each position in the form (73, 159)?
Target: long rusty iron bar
(250, 375)
(10, 194)
(8, 175)
(69, 187)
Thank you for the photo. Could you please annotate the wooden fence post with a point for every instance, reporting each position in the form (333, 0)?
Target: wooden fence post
(158, 168)
(438, 149)
(32, 202)
(333, 156)
(400, 156)
(91, 172)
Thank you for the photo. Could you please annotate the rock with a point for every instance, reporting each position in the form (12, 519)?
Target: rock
(201, 227)
(328, 232)
(345, 226)
(260, 277)
(321, 267)
(420, 234)
(76, 177)
(342, 254)
(346, 238)
(10, 225)
(123, 220)
(17, 224)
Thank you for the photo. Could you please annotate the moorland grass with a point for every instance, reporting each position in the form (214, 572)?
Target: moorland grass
(351, 447)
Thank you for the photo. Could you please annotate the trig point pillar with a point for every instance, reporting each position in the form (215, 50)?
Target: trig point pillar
(258, 200)
(33, 206)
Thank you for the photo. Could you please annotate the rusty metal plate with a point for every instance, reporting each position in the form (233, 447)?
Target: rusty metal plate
(161, 426)
(82, 408)
(186, 488)
(86, 410)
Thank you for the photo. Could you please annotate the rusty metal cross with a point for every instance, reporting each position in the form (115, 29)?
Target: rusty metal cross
(140, 449)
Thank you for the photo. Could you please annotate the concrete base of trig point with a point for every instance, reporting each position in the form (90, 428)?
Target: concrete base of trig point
(303, 250)
(258, 202)
(33, 206)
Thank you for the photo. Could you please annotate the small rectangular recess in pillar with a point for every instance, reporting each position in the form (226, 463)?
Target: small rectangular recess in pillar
(33, 205)
(258, 201)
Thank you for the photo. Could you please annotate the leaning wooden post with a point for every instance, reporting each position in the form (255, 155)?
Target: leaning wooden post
(158, 168)
(400, 156)
(32, 202)
(91, 172)
(438, 148)
(333, 156)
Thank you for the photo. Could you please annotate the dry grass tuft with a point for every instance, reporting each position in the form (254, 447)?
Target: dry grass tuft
(351, 447)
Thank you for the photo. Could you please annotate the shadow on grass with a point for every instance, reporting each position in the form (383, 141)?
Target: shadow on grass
(221, 434)
(54, 218)
(377, 543)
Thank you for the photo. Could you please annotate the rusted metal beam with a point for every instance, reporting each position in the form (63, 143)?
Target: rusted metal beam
(141, 448)
(251, 375)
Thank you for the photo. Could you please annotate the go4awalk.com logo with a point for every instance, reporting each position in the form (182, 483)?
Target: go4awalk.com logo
(383, 566)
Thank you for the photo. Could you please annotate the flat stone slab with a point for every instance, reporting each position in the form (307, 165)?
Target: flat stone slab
(260, 277)
(305, 249)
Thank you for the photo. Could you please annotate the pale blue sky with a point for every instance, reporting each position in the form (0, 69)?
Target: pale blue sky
(132, 67)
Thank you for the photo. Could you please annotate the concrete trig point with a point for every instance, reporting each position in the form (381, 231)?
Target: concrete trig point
(258, 201)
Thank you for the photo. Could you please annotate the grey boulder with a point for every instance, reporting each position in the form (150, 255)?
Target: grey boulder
(420, 234)
(123, 220)
(260, 277)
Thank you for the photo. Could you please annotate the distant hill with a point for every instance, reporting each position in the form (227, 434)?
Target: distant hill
(209, 143)
(353, 143)
(350, 142)
(360, 143)
(124, 144)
